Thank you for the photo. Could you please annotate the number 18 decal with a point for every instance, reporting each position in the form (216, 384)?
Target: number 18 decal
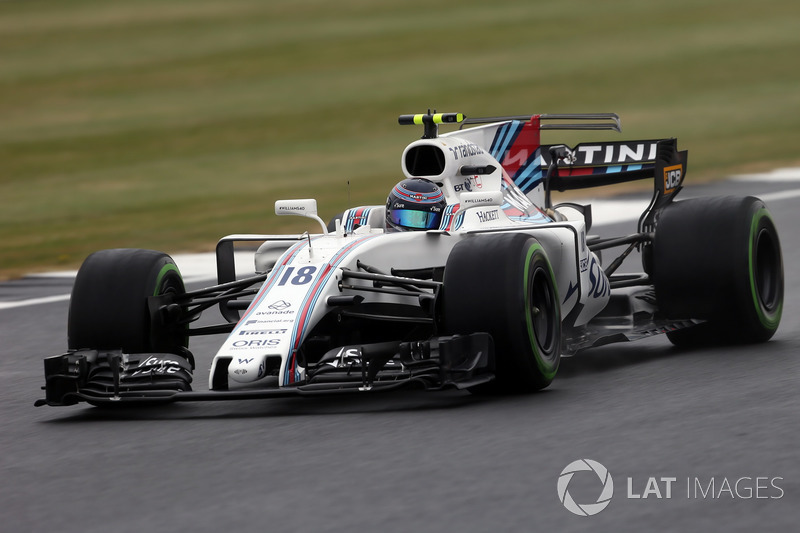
(303, 276)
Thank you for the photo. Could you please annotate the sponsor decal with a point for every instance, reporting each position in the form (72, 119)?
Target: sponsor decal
(255, 332)
(154, 365)
(482, 200)
(277, 320)
(488, 216)
(611, 153)
(672, 178)
(256, 322)
(280, 305)
(605, 154)
(600, 286)
(267, 313)
(465, 149)
(255, 343)
(469, 183)
(346, 357)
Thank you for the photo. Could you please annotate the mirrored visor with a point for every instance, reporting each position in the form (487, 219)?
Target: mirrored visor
(408, 218)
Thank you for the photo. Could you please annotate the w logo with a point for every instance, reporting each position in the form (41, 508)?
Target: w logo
(586, 509)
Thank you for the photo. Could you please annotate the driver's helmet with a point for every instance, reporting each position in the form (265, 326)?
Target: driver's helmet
(414, 204)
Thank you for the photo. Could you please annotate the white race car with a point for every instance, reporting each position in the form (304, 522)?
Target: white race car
(467, 276)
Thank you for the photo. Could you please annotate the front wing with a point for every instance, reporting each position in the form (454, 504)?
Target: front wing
(113, 377)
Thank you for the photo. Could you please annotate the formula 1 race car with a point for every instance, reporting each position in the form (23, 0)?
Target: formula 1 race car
(468, 277)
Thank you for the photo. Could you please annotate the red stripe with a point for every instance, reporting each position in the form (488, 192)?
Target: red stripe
(523, 148)
(321, 280)
(575, 171)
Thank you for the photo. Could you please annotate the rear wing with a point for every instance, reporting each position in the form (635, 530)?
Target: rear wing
(537, 169)
(515, 142)
(663, 163)
(608, 163)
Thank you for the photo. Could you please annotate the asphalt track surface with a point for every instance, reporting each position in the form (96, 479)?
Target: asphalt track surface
(421, 461)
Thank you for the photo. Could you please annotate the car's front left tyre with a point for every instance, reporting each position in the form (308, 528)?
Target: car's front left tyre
(109, 303)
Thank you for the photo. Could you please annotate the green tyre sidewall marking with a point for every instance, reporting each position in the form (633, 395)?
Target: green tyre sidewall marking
(768, 320)
(547, 369)
(169, 267)
(166, 269)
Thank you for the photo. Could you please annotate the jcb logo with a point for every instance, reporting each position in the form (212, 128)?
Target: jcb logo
(672, 178)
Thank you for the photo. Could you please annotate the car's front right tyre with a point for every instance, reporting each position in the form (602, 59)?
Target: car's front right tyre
(503, 284)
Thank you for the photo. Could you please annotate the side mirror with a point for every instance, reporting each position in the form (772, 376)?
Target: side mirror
(303, 208)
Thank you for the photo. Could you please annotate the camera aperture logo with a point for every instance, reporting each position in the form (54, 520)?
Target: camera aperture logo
(595, 469)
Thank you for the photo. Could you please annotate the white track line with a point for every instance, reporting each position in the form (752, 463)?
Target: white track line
(34, 301)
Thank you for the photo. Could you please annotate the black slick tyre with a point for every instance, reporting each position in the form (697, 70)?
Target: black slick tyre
(109, 309)
(719, 260)
(504, 285)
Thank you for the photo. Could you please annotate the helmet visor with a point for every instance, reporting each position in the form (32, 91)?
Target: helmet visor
(409, 218)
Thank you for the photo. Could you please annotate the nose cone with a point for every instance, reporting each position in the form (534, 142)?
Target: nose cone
(247, 369)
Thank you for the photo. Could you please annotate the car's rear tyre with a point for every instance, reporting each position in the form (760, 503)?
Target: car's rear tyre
(109, 310)
(719, 260)
(503, 285)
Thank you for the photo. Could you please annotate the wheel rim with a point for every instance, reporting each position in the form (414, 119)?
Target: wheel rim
(767, 276)
(545, 321)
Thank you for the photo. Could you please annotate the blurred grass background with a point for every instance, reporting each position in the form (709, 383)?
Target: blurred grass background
(167, 124)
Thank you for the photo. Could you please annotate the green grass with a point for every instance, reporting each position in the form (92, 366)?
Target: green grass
(167, 124)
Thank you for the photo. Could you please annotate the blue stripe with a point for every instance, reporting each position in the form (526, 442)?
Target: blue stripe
(353, 219)
(532, 182)
(529, 174)
(514, 130)
(497, 139)
(459, 220)
(334, 262)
